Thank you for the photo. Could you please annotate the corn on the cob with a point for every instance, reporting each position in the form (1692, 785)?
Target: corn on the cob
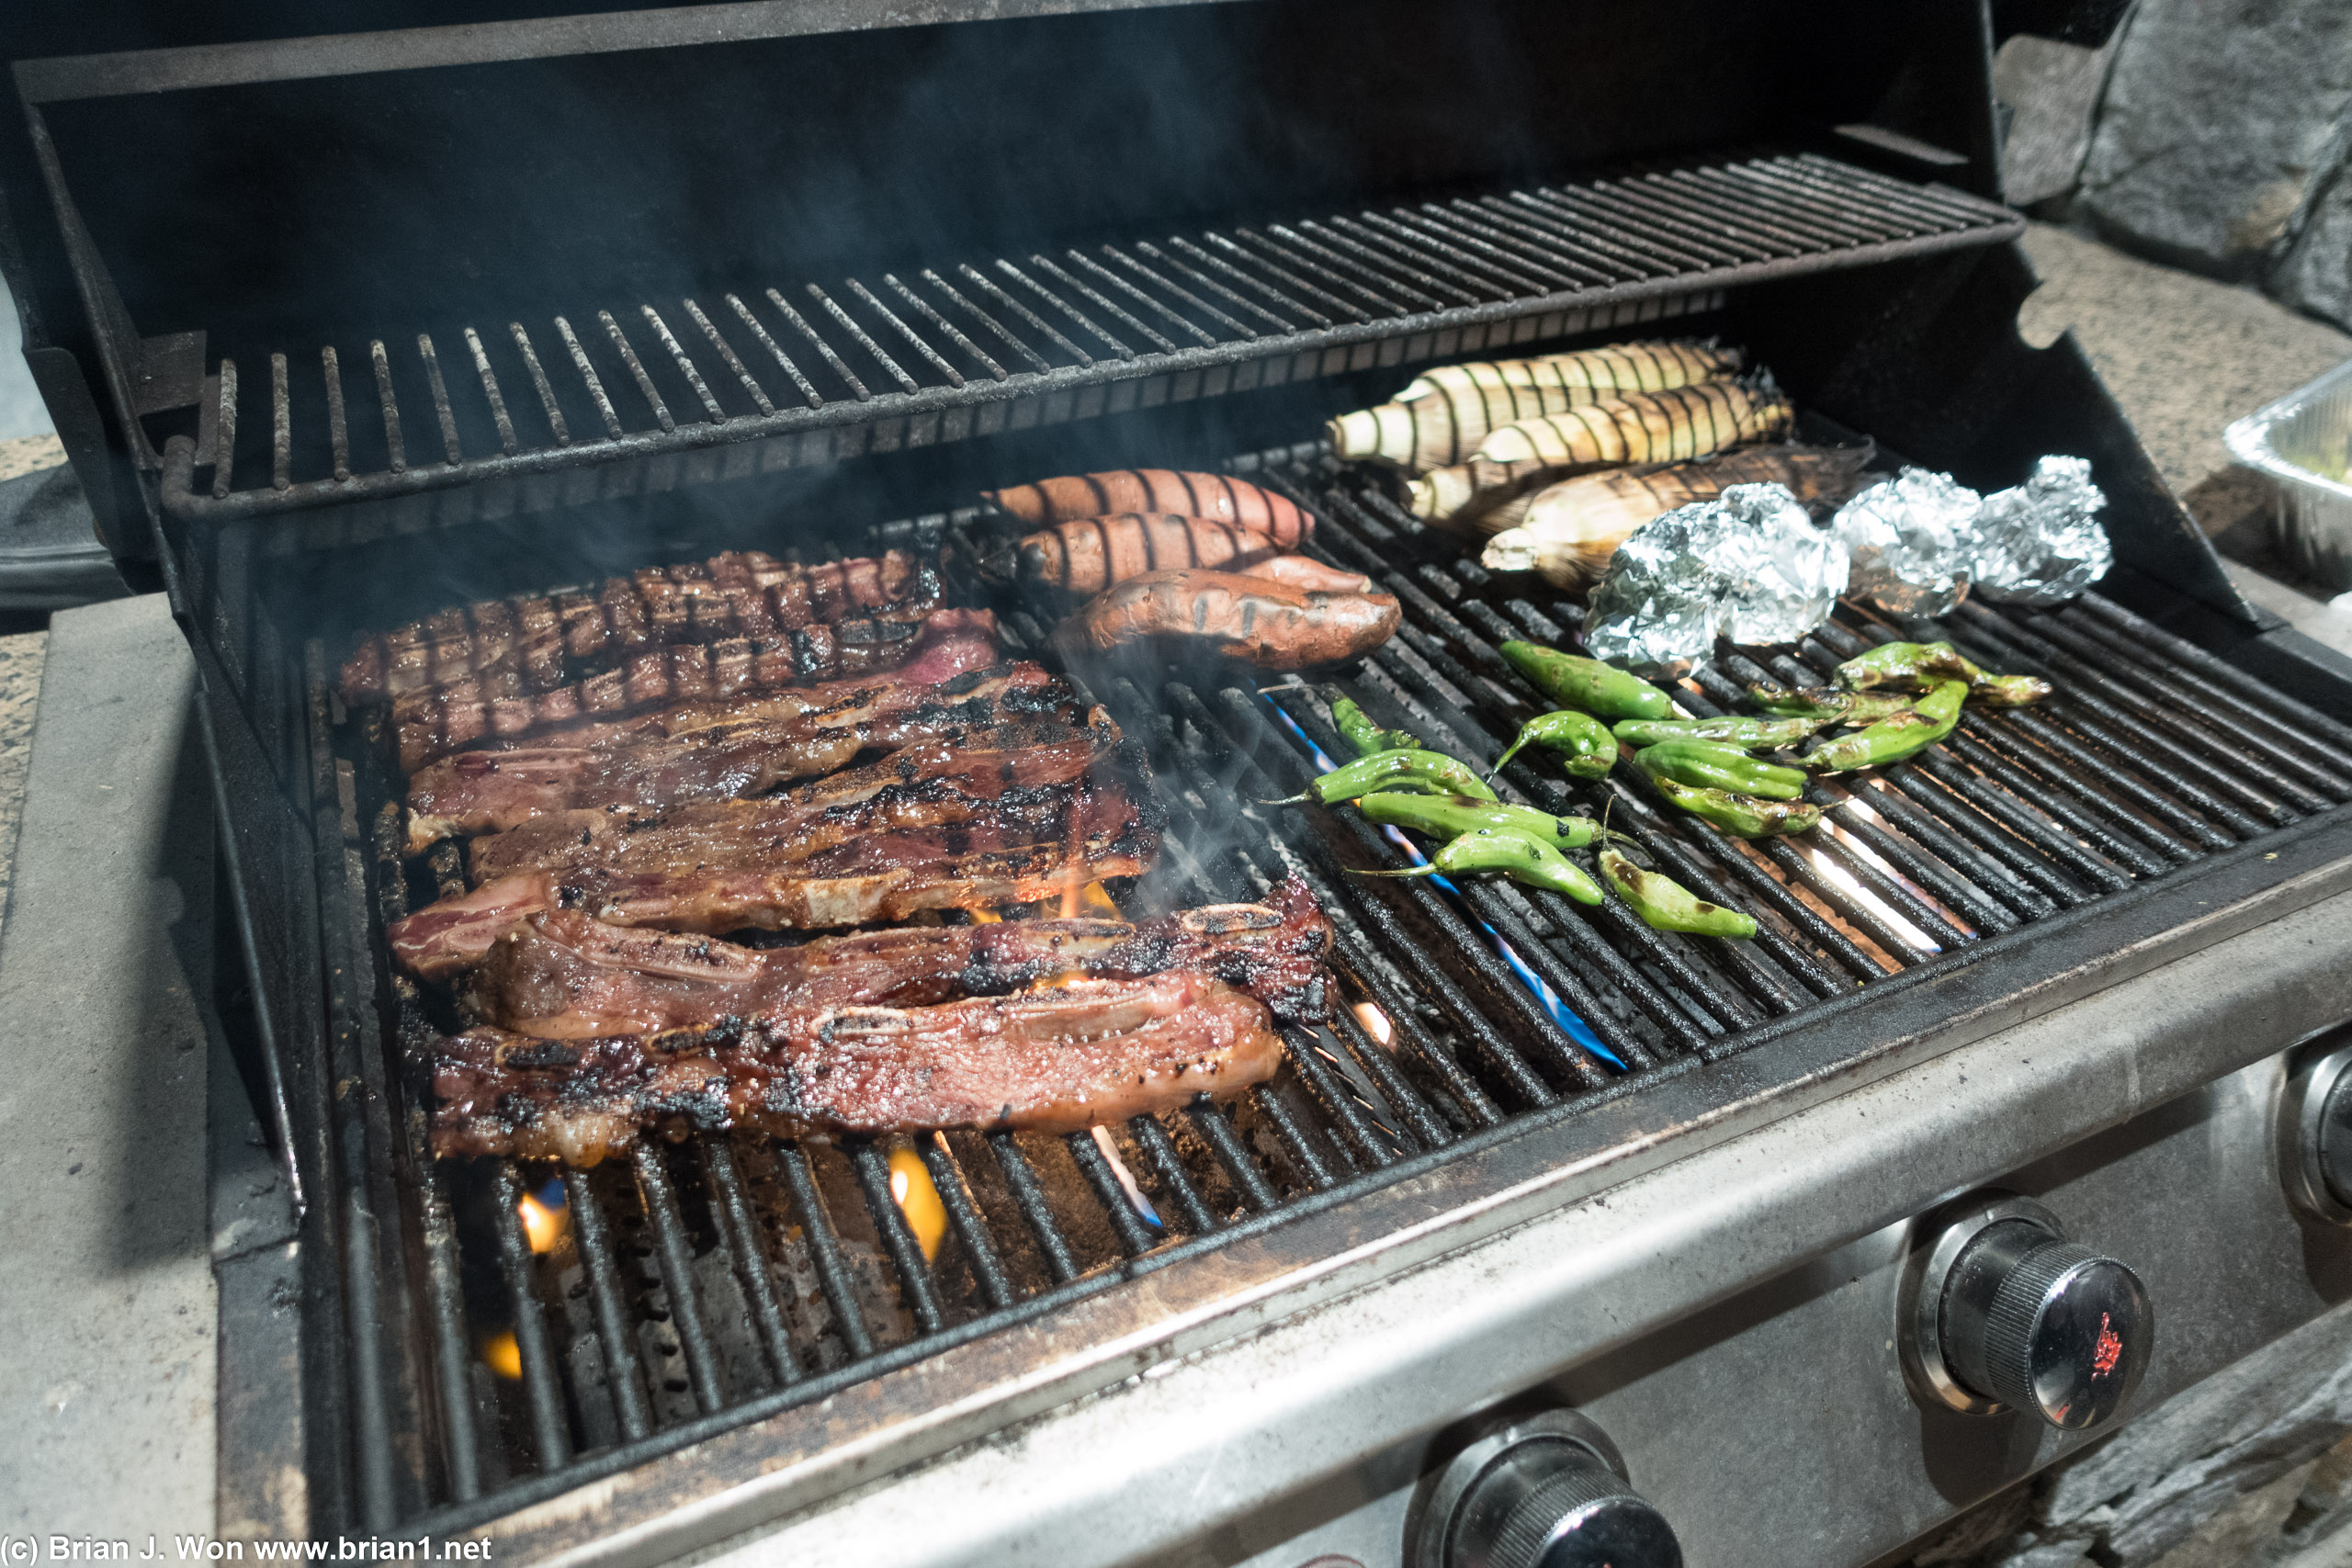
(1673, 425)
(1442, 415)
(1570, 530)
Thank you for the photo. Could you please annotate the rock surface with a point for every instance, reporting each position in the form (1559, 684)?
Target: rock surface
(2052, 92)
(2220, 119)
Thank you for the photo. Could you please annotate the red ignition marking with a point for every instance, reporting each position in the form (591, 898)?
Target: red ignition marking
(2107, 1352)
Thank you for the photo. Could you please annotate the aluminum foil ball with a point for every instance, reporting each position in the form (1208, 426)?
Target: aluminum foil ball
(1913, 539)
(2042, 543)
(1748, 565)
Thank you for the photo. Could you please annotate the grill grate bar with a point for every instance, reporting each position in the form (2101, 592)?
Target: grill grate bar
(542, 1385)
(971, 1229)
(686, 366)
(1238, 254)
(1176, 291)
(833, 361)
(1100, 301)
(592, 1234)
(645, 387)
(986, 286)
(588, 377)
(1037, 362)
(2304, 719)
(1029, 1197)
(539, 384)
(1334, 270)
(859, 335)
(824, 1250)
(1134, 1236)
(914, 340)
(1096, 270)
(731, 1206)
(338, 432)
(281, 430)
(917, 1288)
(1168, 1165)
(1085, 323)
(947, 329)
(488, 378)
(674, 1253)
(800, 383)
(1202, 280)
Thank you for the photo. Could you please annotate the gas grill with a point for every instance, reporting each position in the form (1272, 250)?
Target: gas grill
(1542, 1155)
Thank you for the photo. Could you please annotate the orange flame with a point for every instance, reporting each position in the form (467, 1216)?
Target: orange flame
(984, 917)
(1375, 1023)
(542, 1226)
(918, 1200)
(503, 1355)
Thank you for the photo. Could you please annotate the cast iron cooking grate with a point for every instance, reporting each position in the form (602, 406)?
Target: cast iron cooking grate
(697, 1286)
(921, 356)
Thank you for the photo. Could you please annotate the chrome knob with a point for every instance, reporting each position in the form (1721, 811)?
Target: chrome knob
(2316, 1127)
(1545, 1491)
(2002, 1312)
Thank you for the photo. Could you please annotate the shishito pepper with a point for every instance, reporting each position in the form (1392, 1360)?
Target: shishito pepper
(1742, 815)
(1703, 764)
(1668, 905)
(1365, 737)
(1522, 856)
(1926, 663)
(1451, 815)
(1586, 748)
(1907, 664)
(1890, 741)
(1430, 772)
(1828, 702)
(1586, 684)
(1732, 729)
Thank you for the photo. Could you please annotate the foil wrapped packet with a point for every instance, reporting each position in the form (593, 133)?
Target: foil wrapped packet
(1747, 565)
(1914, 541)
(2042, 543)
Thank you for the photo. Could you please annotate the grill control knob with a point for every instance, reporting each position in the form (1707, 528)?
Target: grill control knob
(1545, 1491)
(2002, 1312)
(2315, 1128)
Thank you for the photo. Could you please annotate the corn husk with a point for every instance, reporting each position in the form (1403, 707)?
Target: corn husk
(1678, 424)
(1568, 531)
(1444, 413)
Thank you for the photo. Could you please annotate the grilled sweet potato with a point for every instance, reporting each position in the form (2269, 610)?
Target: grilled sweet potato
(1272, 625)
(1186, 495)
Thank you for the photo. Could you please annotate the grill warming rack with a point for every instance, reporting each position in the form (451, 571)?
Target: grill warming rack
(941, 353)
(709, 1283)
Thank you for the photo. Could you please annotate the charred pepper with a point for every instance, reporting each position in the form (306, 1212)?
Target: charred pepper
(1451, 815)
(2009, 691)
(1828, 702)
(1747, 733)
(1907, 664)
(1667, 904)
(1428, 773)
(1890, 741)
(1586, 748)
(1743, 816)
(1587, 684)
(1522, 856)
(1703, 764)
(1365, 737)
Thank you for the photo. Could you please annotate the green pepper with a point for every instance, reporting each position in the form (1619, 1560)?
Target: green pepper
(1367, 739)
(1828, 702)
(1668, 905)
(1451, 815)
(1907, 664)
(1586, 748)
(2009, 691)
(1703, 764)
(1518, 855)
(1743, 816)
(1428, 773)
(1890, 741)
(1587, 684)
(1747, 733)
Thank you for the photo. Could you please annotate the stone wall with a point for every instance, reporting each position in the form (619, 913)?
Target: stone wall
(2208, 134)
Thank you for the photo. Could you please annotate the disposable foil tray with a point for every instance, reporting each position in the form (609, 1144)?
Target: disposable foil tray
(2303, 442)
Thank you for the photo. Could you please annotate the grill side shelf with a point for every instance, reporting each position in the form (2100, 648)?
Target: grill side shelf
(970, 350)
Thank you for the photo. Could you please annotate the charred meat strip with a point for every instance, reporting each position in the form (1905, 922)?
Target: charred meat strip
(489, 791)
(542, 642)
(1107, 832)
(1058, 1060)
(563, 975)
(1015, 772)
(434, 722)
